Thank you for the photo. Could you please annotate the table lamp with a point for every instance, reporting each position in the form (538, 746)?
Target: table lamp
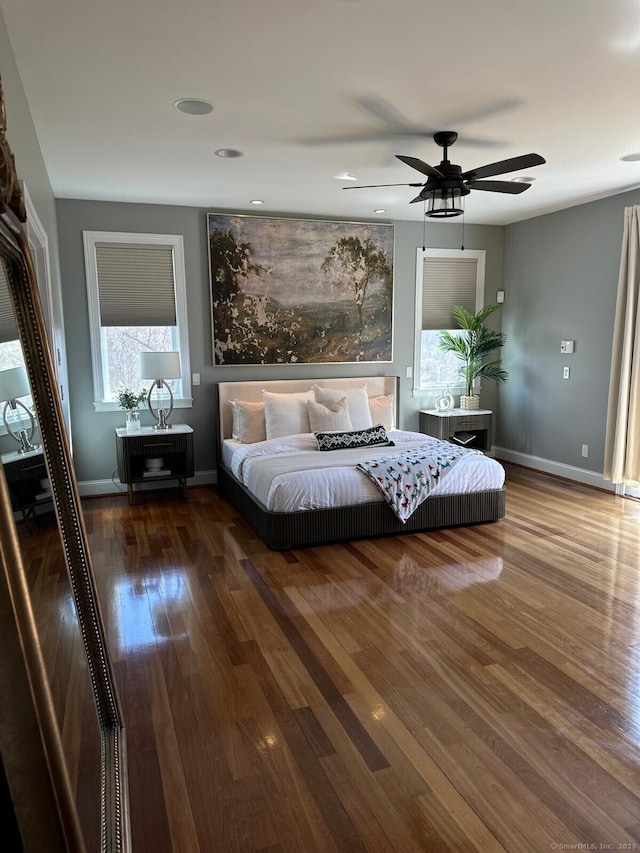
(160, 366)
(14, 384)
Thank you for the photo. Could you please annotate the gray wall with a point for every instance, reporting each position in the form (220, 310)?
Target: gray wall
(30, 166)
(94, 443)
(560, 278)
(441, 235)
(93, 432)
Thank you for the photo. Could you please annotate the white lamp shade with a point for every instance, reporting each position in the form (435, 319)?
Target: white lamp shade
(14, 384)
(160, 365)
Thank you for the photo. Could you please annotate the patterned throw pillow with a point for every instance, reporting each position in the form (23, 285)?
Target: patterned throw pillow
(372, 437)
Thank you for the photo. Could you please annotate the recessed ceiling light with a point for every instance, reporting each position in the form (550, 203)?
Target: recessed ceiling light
(631, 158)
(256, 201)
(523, 179)
(229, 152)
(345, 176)
(380, 210)
(193, 106)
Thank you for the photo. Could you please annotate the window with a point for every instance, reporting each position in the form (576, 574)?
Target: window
(136, 288)
(10, 349)
(10, 352)
(444, 278)
(51, 298)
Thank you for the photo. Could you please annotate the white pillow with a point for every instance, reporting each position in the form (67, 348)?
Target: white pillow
(286, 414)
(331, 418)
(357, 403)
(383, 410)
(248, 421)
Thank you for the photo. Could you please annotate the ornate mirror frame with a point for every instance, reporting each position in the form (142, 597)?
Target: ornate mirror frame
(30, 742)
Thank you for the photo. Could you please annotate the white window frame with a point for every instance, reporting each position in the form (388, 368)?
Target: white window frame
(90, 238)
(39, 249)
(428, 389)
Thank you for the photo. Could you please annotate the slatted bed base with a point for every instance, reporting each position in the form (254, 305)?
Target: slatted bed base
(285, 530)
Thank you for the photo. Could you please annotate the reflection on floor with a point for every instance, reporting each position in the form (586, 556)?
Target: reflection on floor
(474, 689)
(66, 664)
(142, 608)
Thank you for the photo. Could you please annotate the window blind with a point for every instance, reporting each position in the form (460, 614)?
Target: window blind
(8, 325)
(447, 282)
(135, 284)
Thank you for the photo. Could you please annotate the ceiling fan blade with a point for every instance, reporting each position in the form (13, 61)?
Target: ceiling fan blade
(417, 198)
(499, 186)
(375, 136)
(420, 165)
(400, 127)
(375, 186)
(393, 125)
(369, 137)
(385, 113)
(526, 161)
(479, 111)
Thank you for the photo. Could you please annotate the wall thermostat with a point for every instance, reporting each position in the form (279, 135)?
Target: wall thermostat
(567, 346)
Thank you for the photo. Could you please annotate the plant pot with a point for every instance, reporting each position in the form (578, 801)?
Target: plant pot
(133, 421)
(471, 402)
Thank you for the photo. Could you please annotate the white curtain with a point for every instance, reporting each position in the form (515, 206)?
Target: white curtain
(622, 442)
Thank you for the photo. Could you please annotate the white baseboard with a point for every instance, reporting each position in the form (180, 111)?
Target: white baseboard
(88, 488)
(569, 472)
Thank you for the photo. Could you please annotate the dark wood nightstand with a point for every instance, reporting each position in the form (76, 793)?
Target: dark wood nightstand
(24, 473)
(135, 451)
(466, 427)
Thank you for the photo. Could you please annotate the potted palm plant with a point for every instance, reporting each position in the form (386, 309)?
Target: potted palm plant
(474, 349)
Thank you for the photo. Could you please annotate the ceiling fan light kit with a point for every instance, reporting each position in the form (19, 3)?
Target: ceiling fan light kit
(444, 205)
(447, 184)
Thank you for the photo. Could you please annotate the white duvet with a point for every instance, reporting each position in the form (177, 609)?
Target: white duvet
(290, 474)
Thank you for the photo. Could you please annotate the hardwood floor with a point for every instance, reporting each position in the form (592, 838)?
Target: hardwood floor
(471, 689)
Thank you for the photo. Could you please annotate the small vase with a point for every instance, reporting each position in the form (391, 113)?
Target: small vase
(133, 421)
(444, 403)
(469, 402)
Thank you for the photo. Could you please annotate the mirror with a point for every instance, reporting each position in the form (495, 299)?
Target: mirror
(62, 739)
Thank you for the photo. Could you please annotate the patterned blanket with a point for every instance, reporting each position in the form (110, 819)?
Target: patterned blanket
(405, 479)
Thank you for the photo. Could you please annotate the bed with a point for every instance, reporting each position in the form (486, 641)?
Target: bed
(325, 497)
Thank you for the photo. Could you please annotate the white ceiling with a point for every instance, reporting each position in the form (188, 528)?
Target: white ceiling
(556, 77)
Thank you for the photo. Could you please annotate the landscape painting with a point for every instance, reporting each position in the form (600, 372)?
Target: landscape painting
(299, 291)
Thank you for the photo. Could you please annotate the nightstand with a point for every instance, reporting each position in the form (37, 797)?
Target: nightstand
(24, 473)
(466, 427)
(139, 452)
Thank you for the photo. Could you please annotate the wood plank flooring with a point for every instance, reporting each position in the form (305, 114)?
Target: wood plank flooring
(472, 689)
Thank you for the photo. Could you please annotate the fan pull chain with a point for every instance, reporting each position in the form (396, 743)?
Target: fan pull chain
(424, 225)
(462, 244)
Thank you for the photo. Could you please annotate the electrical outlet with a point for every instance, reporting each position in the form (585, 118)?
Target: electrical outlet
(195, 378)
(585, 451)
(565, 372)
(408, 372)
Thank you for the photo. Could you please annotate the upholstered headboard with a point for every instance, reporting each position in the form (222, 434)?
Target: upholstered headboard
(252, 392)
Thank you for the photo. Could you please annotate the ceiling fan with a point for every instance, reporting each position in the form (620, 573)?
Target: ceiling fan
(447, 184)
